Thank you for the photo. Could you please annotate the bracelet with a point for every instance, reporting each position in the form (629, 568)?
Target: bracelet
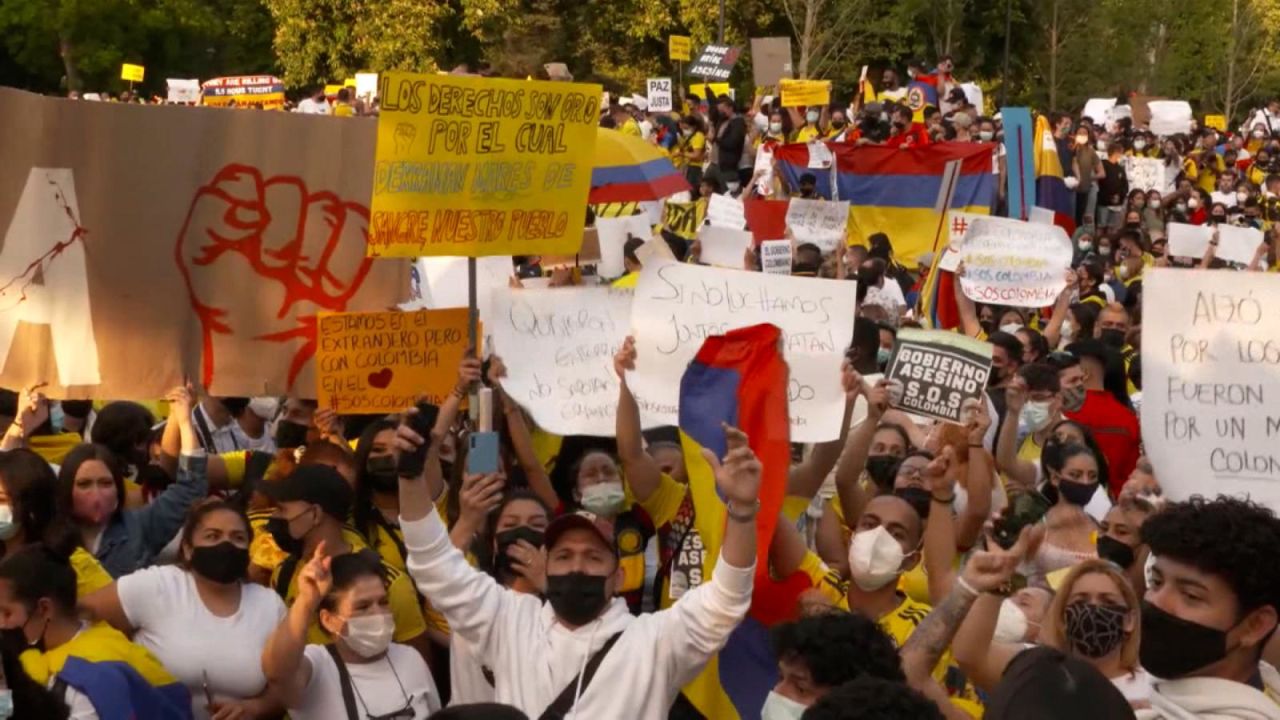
(978, 445)
(964, 585)
(947, 501)
(742, 517)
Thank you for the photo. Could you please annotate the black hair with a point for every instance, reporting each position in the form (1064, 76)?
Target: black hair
(1009, 343)
(1040, 377)
(78, 409)
(866, 342)
(630, 247)
(38, 571)
(482, 546)
(1056, 453)
(31, 701)
(902, 433)
(122, 427)
(809, 178)
(32, 489)
(1231, 538)
(78, 456)
(1087, 315)
(838, 647)
(1036, 344)
(363, 513)
(872, 698)
(198, 513)
(347, 569)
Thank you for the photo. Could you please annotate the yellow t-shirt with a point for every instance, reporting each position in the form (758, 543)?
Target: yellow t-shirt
(808, 133)
(54, 448)
(691, 560)
(631, 127)
(343, 110)
(695, 142)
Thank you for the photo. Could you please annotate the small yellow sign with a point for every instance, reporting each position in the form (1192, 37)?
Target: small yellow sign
(679, 47)
(132, 73)
(805, 93)
(1217, 122)
(349, 82)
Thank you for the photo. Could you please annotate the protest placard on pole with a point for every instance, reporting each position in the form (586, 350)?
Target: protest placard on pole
(380, 362)
(683, 219)
(723, 247)
(821, 222)
(715, 62)
(1010, 262)
(775, 257)
(679, 48)
(614, 233)
(726, 211)
(659, 95)
(939, 371)
(560, 344)
(481, 166)
(803, 93)
(770, 60)
(180, 91)
(1210, 348)
(132, 73)
(677, 306)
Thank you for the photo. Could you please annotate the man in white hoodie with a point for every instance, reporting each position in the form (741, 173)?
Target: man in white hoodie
(542, 654)
(1210, 608)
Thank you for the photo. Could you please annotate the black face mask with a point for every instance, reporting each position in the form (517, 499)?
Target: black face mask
(880, 469)
(806, 192)
(837, 124)
(380, 471)
(290, 434)
(1219, 218)
(1077, 494)
(1172, 647)
(235, 405)
(918, 498)
(576, 597)
(1094, 630)
(278, 528)
(15, 641)
(1112, 337)
(222, 563)
(507, 538)
(1117, 552)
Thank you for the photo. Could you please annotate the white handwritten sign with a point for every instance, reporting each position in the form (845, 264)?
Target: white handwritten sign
(723, 247)
(659, 95)
(614, 233)
(1149, 174)
(821, 222)
(677, 306)
(1210, 353)
(559, 345)
(1235, 244)
(726, 211)
(958, 223)
(1017, 263)
(183, 91)
(775, 256)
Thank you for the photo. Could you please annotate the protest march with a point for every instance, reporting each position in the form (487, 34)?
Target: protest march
(748, 388)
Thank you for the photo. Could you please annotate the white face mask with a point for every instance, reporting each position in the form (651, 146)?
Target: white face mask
(1085, 246)
(775, 128)
(8, 528)
(761, 121)
(1011, 328)
(985, 135)
(1193, 203)
(264, 407)
(369, 635)
(781, 707)
(1011, 625)
(1122, 272)
(1139, 144)
(875, 559)
(1102, 146)
(1035, 415)
(604, 498)
(1242, 197)
(1068, 330)
(811, 117)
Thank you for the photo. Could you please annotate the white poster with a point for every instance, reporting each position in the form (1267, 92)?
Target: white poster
(1188, 240)
(558, 345)
(958, 223)
(613, 236)
(1170, 117)
(437, 283)
(677, 306)
(1010, 262)
(821, 222)
(366, 85)
(1149, 174)
(659, 95)
(775, 256)
(1235, 244)
(726, 211)
(1210, 352)
(723, 247)
(1099, 109)
(183, 91)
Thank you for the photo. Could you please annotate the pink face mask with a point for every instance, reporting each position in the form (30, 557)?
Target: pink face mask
(93, 506)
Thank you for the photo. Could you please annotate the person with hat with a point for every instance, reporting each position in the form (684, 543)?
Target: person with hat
(312, 505)
(581, 650)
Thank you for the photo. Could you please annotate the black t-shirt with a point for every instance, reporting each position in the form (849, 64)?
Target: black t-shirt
(1115, 184)
(730, 140)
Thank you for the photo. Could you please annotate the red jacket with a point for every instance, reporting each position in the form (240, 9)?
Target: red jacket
(1115, 428)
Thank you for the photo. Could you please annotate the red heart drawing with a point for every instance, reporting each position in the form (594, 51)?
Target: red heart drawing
(381, 379)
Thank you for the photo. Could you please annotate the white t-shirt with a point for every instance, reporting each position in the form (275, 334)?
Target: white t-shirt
(174, 623)
(377, 689)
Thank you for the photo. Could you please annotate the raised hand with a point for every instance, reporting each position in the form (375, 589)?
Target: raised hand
(479, 496)
(988, 569)
(34, 412)
(939, 474)
(1015, 396)
(330, 425)
(877, 400)
(625, 359)
(851, 381)
(315, 580)
(469, 372)
(497, 371)
(529, 562)
(738, 476)
(977, 421)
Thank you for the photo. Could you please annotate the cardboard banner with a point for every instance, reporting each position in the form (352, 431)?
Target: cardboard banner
(126, 270)
(805, 93)
(677, 306)
(1210, 348)
(247, 91)
(715, 62)
(559, 345)
(683, 219)
(770, 60)
(481, 166)
(132, 73)
(775, 257)
(1149, 174)
(614, 233)
(821, 222)
(939, 371)
(723, 247)
(381, 362)
(726, 211)
(1009, 262)
(679, 47)
(180, 91)
(659, 95)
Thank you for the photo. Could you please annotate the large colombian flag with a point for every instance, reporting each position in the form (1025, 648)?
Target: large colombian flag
(740, 379)
(896, 191)
(1051, 190)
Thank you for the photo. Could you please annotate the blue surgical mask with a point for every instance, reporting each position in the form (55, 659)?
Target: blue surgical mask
(57, 418)
(811, 117)
(882, 357)
(8, 528)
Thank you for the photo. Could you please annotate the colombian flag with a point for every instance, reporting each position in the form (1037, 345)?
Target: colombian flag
(122, 680)
(740, 379)
(1051, 192)
(896, 192)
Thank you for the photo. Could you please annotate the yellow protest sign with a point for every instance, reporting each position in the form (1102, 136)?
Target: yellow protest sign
(331, 89)
(679, 48)
(380, 362)
(798, 93)
(683, 219)
(481, 166)
(1217, 122)
(132, 73)
(710, 91)
(349, 82)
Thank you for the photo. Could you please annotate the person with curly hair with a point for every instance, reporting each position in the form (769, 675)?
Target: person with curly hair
(873, 698)
(818, 654)
(1212, 603)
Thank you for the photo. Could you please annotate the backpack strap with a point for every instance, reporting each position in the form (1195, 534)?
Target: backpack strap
(344, 678)
(288, 569)
(564, 702)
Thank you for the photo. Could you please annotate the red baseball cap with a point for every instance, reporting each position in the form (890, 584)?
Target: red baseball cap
(602, 528)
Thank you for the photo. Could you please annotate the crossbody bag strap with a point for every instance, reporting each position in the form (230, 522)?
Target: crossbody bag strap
(564, 702)
(344, 678)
